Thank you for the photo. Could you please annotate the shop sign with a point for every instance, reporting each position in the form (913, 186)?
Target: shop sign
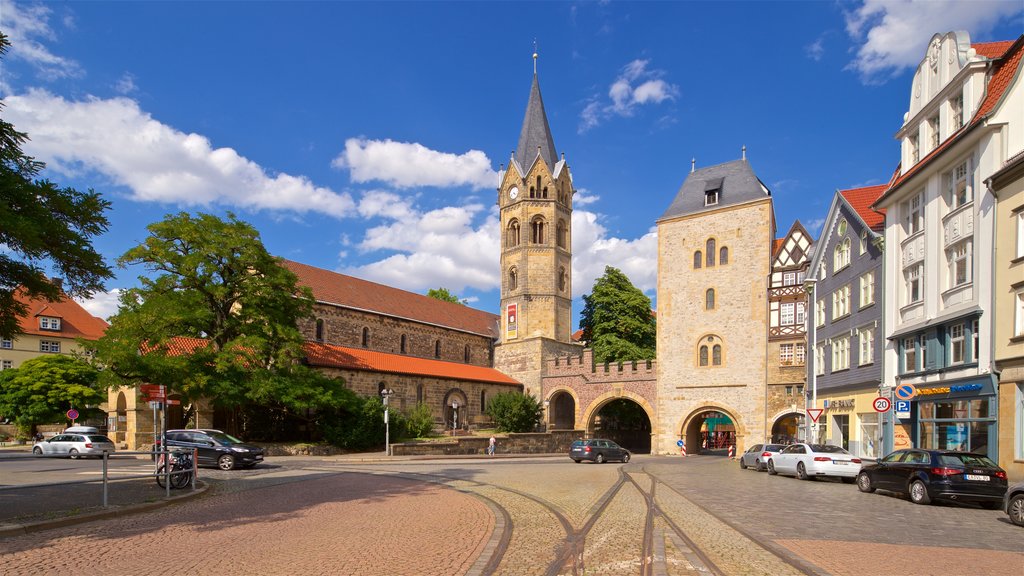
(847, 404)
(511, 322)
(949, 389)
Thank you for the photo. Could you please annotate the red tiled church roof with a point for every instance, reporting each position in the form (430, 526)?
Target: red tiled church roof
(75, 321)
(332, 356)
(334, 288)
(861, 200)
(1008, 55)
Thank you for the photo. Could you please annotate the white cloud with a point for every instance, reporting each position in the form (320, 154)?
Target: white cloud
(814, 226)
(892, 35)
(126, 84)
(593, 249)
(102, 304)
(408, 164)
(24, 26)
(155, 161)
(583, 197)
(816, 50)
(635, 86)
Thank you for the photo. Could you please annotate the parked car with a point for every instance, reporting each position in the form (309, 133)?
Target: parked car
(598, 450)
(215, 448)
(757, 456)
(928, 475)
(1013, 503)
(75, 445)
(81, 430)
(807, 461)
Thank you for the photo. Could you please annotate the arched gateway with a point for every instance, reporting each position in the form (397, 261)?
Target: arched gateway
(711, 430)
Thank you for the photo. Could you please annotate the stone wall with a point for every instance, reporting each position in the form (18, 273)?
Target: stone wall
(554, 442)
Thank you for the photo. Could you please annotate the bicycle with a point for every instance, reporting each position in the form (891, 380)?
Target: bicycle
(181, 469)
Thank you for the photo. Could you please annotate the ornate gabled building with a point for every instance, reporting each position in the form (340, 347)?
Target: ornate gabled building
(49, 328)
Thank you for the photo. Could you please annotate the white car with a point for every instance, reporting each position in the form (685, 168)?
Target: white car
(75, 445)
(806, 461)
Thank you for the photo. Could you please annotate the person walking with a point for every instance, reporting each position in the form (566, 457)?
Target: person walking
(490, 446)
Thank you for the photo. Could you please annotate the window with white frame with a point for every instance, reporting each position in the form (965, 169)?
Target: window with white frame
(842, 227)
(821, 270)
(912, 281)
(6, 344)
(841, 302)
(914, 151)
(922, 348)
(49, 346)
(1020, 234)
(909, 354)
(863, 243)
(800, 354)
(913, 216)
(800, 313)
(819, 360)
(867, 289)
(841, 255)
(956, 344)
(786, 354)
(1018, 320)
(974, 340)
(819, 312)
(934, 134)
(956, 112)
(6, 364)
(866, 339)
(48, 323)
(958, 186)
(959, 256)
(788, 278)
(788, 313)
(840, 353)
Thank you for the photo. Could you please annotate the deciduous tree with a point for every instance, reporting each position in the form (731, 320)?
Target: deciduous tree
(444, 295)
(617, 321)
(42, 389)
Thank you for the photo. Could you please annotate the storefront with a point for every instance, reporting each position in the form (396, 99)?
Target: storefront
(849, 420)
(957, 416)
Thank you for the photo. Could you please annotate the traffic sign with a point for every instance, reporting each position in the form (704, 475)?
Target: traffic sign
(72, 414)
(906, 392)
(882, 404)
(814, 413)
(173, 402)
(679, 443)
(902, 409)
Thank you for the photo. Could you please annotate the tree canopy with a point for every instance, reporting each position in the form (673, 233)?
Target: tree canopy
(218, 319)
(514, 412)
(445, 295)
(42, 389)
(43, 226)
(617, 321)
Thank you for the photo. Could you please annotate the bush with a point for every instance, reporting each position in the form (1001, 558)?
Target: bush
(513, 412)
(419, 422)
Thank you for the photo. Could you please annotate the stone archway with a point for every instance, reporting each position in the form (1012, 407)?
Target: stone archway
(787, 427)
(561, 411)
(712, 430)
(120, 419)
(455, 409)
(624, 420)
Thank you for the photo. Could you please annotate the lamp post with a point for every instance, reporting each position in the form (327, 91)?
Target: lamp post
(384, 395)
(545, 415)
(455, 416)
(810, 284)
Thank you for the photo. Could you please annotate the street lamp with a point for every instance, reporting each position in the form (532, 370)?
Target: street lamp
(810, 284)
(544, 414)
(455, 417)
(384, 395)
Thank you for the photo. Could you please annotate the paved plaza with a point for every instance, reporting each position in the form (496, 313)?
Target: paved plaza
(544, 516)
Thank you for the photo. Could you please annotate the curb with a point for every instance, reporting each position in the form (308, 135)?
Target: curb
(15, 529)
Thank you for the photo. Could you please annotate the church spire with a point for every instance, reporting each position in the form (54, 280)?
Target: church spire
(535, 136)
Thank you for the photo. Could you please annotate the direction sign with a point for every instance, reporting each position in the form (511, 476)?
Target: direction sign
(902, 409)
(814, 413)
(882, 404)
(906, 392)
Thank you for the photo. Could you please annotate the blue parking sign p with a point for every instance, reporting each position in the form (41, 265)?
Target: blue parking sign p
(902, 408)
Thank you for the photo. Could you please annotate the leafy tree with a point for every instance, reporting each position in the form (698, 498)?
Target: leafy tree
(42, 389)
(514, 412)
(419, 421)
(617, 321)
(42, 223)
(218, 320)
(445, 295)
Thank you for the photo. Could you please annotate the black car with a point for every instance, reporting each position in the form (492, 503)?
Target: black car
(598, 450)
(215, 448)
(928, 475)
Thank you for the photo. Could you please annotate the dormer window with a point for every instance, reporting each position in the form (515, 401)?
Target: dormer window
(49, 323)
(711, 191)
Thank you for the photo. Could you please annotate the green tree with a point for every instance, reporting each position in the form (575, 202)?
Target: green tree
(445, 295)
(43, 389)
(617, 321)
(42, 224)
(514, 412)
(217, 320)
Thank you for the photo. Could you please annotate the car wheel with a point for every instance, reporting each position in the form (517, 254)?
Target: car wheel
(758, 465)
(575, 460)
(226, 462)
(1016, 509)
(771, 468)
(73, 454)
(625, 459)
(600, 459)
(919, 493)
(37, 450)
(864, 483)
(801, 472)
(743, 465)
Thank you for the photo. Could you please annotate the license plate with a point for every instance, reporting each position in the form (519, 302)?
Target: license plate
(843, 462)
(976, 477)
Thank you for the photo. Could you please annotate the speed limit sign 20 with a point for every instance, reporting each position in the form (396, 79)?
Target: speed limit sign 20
(882, 404)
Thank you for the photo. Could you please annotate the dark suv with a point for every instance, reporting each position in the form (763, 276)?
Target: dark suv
(215, 448)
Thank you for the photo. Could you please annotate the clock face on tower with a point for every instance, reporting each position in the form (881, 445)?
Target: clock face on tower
(513, 193)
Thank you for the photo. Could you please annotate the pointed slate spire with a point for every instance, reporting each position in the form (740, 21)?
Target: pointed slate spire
(535, 135)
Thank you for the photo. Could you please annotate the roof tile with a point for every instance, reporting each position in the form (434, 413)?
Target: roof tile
(333, 356)
(75, 321)
(861, 200)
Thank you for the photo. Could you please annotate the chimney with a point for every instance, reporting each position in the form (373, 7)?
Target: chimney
(693, 165)
(744, 151)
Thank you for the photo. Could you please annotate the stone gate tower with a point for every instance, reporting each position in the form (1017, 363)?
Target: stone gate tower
(535, 200)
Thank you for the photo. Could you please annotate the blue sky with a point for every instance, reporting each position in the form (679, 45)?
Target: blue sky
(366, 137)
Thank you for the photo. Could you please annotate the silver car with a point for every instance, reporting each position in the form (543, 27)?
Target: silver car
(75, 445)
(757, 456)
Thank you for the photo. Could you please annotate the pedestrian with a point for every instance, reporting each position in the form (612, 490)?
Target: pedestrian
(490, 446)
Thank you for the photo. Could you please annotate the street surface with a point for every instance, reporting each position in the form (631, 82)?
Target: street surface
(655, 515)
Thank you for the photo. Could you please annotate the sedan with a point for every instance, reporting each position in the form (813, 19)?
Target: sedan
(598, 450)
(807, 461)
(937, 474)
(758, 455)
(215, 448)
(75, 445)
(1013, 504)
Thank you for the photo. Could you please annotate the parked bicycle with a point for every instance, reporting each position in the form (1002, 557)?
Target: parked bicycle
(181, 470)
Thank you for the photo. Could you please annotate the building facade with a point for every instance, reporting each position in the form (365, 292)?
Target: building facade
(49, 328)
(939, 238)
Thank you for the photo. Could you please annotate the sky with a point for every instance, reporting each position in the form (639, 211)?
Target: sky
(366, 138)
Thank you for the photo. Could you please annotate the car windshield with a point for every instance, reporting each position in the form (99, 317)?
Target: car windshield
(774, 447)
(224, 438)
(966, 460)
(828, 448)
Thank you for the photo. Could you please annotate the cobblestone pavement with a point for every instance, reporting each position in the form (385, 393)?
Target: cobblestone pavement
(544, 516)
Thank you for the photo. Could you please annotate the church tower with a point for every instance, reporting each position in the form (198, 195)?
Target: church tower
(535, 200)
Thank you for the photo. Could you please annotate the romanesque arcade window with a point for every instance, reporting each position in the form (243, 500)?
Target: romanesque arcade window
(537, 230)
(513, 279)
(710, 345)
(709, 299)
(698, 259)
(723, 256)
(512, 237)
(709, 255)
(560, 233)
